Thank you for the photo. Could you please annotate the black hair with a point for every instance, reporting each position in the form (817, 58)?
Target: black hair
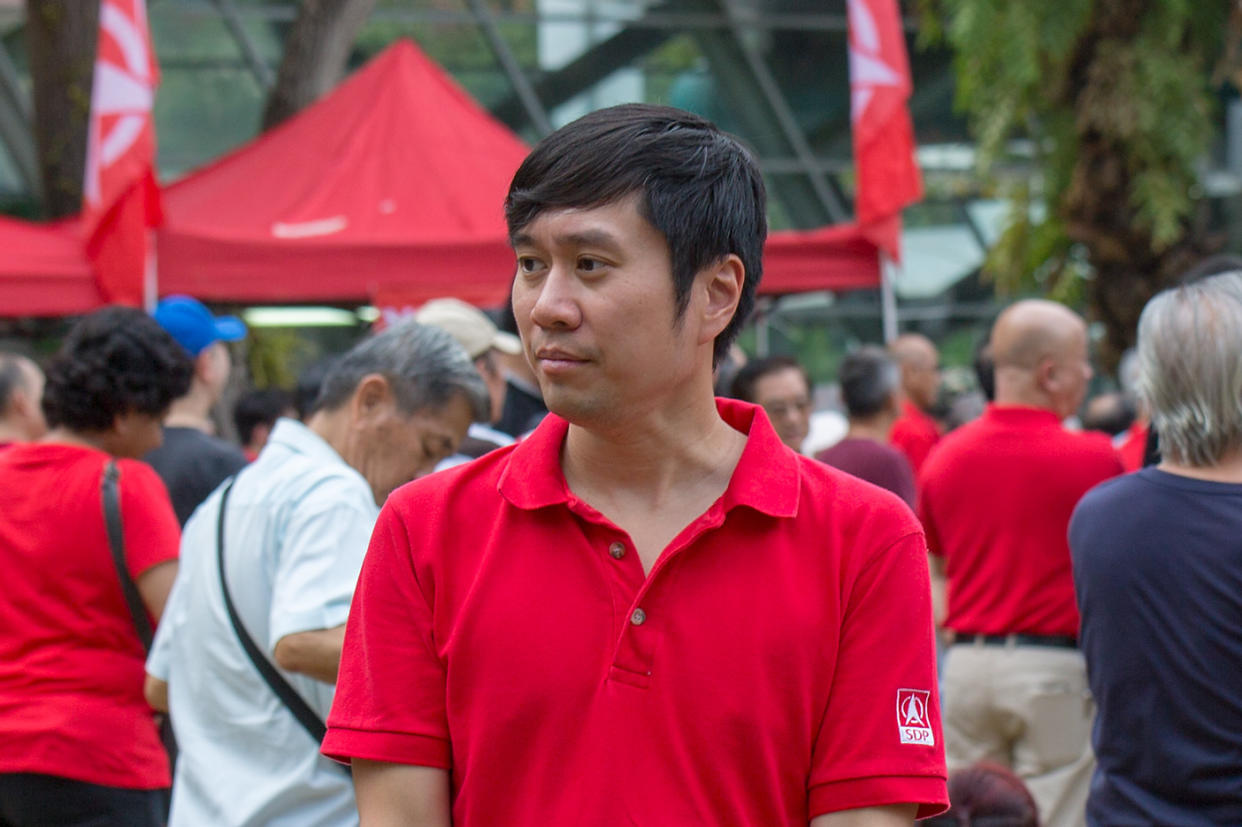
(985, 370)
(754, 370)
(259, 407)
(869, 377)
(698, 186)
(310, 382)
(115, 361)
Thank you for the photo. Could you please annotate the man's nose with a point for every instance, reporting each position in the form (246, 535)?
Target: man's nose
(556, 305)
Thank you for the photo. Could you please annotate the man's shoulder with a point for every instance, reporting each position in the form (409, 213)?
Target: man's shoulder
(461, 489)
(190, 446)
(834, 496)
(1115, 497)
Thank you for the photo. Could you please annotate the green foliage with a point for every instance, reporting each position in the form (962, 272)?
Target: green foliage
(1087, 85)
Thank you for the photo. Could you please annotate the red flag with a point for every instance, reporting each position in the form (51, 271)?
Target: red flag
(120, 200)
(880, 86)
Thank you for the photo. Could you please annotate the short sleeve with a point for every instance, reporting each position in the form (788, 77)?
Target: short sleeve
(161, 647)
(880, 741)
(926, 517)
(321, 553)
(152, 533)
(390, 696)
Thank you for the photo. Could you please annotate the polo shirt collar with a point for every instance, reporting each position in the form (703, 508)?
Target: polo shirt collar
(766, 477)
(298, 438)
(1021, 415)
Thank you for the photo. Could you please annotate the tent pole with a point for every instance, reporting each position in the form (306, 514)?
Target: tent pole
(888, 296)
(150, 276)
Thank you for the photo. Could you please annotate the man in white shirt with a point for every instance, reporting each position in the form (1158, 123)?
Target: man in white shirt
(297, 524)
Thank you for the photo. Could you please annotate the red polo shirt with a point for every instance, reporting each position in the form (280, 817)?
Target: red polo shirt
(915, 434)
(776, 664)
(996, 498)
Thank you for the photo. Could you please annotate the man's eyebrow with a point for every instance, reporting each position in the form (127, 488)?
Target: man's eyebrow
(582, 238)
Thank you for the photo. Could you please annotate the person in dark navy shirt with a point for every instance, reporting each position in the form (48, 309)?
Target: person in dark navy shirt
(1157, 558)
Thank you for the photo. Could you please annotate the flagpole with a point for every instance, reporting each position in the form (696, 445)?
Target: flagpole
(888, 296)
(150, 275)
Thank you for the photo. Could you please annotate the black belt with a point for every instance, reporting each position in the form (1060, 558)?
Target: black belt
(1056, 641)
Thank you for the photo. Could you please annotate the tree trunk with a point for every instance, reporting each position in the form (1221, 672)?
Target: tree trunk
(1098, 203)
(316, 52)
(61, 37)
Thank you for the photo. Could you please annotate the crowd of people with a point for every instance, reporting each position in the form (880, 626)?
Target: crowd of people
(587, 573)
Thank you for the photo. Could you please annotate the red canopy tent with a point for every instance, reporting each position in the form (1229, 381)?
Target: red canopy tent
(395, 178)
(391, 187)
(44, 271)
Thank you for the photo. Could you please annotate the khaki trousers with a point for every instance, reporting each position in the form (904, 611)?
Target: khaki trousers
(1028, 708)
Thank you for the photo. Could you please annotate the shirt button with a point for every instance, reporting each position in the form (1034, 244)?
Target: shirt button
(617, 550)
(639, 617)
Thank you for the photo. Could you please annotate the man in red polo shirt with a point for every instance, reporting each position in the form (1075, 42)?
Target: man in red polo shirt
(651, 611)
(996, 497)
(915, 433)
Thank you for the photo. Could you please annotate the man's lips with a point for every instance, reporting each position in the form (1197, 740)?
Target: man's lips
(551, 360)
(549, 354)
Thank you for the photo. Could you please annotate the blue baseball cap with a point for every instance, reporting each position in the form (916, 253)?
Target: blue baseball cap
(193, 326)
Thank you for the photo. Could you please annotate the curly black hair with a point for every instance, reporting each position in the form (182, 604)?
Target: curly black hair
(115, 361)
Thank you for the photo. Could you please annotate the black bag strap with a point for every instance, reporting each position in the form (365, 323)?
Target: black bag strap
(110, 490)
(306, 716)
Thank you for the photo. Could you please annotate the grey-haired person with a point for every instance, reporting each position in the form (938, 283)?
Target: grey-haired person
(1158, 573)
(296, 527)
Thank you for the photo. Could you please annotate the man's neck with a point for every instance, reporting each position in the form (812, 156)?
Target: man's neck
(9, 434)
(653, 458)
(192, 410)
(876, 429)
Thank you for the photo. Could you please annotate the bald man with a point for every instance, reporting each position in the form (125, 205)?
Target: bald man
(21, 394)
(915, 432)
(996, 498)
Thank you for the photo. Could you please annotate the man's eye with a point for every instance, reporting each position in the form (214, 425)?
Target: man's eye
(527, 264)
(589, 265)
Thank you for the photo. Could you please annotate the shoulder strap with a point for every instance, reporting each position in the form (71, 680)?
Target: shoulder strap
(111, 493)
(306, 716)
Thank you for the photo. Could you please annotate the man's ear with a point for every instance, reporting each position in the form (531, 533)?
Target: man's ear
(1046, 375)
(372, 397)
(722, 284)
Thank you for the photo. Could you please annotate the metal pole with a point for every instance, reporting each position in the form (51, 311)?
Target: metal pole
(785, 119)
(888, 296)
(258, 67)
(521, 86)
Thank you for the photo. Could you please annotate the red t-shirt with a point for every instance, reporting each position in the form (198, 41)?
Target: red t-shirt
(71, 664)
(996, 498)
(767, 670)
(1133, 449)
(914, 434)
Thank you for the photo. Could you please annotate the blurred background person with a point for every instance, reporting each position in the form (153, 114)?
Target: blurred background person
(1158, 573)
(524, 407)
(255, 415)
(298, 521)
(78, 744)
(871, 389)
(987, 795)
(996, 497)
(780, 386)
(1132, 445)
(486, 345)
(192, 461)
(1109, 413)
(21, 392)
(310, 382)
(915, 432)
